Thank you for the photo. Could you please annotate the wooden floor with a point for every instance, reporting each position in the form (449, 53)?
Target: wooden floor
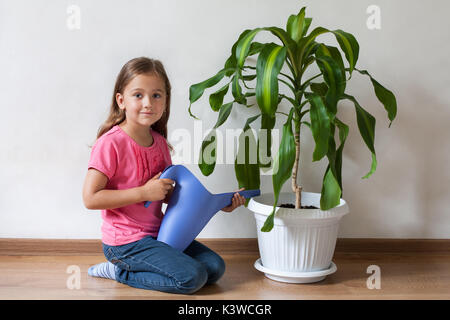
(414, 270)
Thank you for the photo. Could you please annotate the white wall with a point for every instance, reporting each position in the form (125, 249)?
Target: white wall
(56, 85)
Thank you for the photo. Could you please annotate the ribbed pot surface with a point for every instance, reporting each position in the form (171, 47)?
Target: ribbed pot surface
(301, 240)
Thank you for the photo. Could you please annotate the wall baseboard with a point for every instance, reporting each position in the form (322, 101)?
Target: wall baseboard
(235, 246)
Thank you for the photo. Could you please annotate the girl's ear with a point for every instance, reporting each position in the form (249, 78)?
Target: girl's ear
(119, 100)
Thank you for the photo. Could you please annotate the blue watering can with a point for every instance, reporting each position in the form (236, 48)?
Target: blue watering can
(190, 207)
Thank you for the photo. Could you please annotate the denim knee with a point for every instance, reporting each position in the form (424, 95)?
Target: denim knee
(196, 278)
(216, 269)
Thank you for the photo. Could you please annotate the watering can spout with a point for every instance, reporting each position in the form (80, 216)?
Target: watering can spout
(190, 207)
(224, 199)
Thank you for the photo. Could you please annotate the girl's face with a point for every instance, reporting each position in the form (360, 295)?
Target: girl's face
(143, 99)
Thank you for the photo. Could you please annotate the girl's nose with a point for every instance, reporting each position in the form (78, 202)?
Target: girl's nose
(147, 103)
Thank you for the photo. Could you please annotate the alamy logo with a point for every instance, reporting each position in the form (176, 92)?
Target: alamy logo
(374, 281)
(74, 280)
(74, 17)
(374, 20)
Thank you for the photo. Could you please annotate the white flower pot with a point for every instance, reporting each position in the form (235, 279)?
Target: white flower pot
(300, 247)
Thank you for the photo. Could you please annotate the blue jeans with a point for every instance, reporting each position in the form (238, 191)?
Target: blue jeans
(154, 265)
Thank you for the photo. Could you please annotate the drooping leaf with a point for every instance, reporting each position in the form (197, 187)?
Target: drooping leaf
(237, 90)
(366, 125)
(246, 163)
(196, 90)
(231, 62)
(249, 77)
(216, 99)
(289, 44)
(243, 46)
(343, 133)
(320, 126)
(333, 52)
(319, 88)
(305, 46)
(255, 48)
(284, 162)
(224, 112)
(385, 96)
(265, 141)
(349, 46)
(207, 158)
(331, 192)
(334, 77)
(346, 41)
(269, 64)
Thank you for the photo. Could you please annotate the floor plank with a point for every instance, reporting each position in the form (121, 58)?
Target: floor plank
(409, 275)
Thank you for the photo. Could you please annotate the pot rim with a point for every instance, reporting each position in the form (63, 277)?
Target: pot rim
(262, 208)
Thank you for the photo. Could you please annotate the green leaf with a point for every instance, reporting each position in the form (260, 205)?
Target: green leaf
(269, 64)
(306, 24)
(237, 90)
(331, 192)
(385, 96)
(305, 46)
(249, 77)
(296, 24)
(284, 162)
(334, 77)
(265, 141)
(319, 88)
(224, 112)
(255, 48)
(307, 62)
(231, 61)
(196, 90)
(333, 52)
(246, 165)
(216, 99)
(320, 126)
(243, 46)
(366, 125)
(343, 133)
(250, 120)
(289, 44)
(349, 46)
(207, 158)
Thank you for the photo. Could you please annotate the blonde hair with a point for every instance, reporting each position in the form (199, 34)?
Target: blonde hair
(131, 69)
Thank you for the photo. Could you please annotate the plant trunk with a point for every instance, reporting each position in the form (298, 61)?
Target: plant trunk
(295, 188)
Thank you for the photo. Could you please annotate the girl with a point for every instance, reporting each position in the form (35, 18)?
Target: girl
(126, 161)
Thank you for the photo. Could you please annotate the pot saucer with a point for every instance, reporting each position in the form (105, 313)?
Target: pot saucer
(295, 277)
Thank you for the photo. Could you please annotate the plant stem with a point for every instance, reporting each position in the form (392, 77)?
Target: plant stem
(295, 188)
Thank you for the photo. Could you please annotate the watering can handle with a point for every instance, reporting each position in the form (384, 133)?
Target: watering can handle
(147, 203)
(245, 193)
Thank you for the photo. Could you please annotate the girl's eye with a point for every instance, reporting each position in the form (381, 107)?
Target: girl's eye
(156, 95)
(138, 95)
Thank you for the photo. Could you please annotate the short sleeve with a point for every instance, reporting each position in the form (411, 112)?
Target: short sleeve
(104, 157)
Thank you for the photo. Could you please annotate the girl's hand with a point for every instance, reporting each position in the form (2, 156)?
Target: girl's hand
(156, 189)
(167, 198)
(236, 201)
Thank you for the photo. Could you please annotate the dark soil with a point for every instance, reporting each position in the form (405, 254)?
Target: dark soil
(291, 206)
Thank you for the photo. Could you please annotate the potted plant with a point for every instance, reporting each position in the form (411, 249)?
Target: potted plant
(302, 243)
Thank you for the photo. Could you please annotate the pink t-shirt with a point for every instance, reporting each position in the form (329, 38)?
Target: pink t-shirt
(128, 165)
